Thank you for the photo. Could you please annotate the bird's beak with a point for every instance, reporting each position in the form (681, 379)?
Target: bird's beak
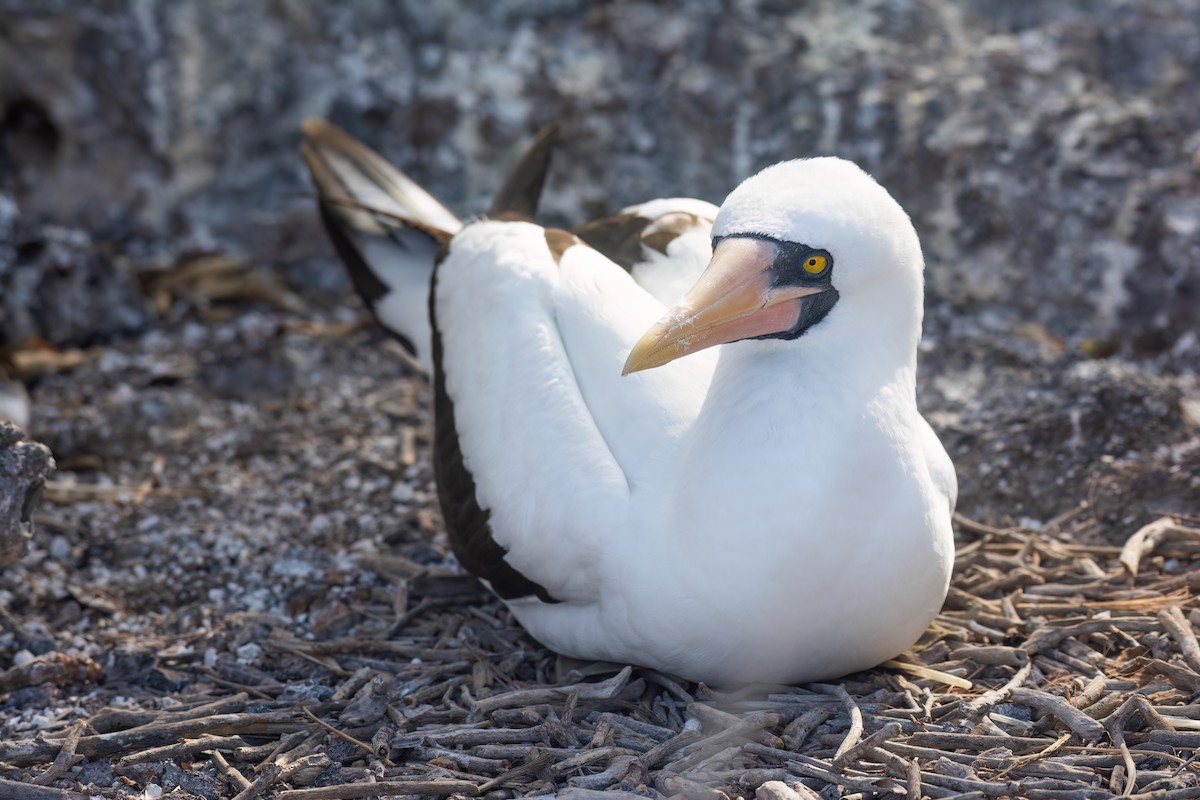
(734, 299)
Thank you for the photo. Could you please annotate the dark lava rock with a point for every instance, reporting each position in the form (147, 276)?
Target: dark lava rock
(24, 466)
(1048, 153)
(195, 783)
(95, 773)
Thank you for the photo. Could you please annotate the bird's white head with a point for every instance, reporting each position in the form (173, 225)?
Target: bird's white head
(807, 245)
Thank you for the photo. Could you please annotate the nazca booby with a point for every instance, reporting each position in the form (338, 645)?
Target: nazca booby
(701, 458)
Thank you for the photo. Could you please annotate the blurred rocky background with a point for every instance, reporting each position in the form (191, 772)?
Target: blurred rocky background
(1049, 154)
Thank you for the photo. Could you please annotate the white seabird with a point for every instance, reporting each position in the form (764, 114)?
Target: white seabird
(757, 497)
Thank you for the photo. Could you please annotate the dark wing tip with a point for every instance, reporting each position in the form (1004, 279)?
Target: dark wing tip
(519, 195)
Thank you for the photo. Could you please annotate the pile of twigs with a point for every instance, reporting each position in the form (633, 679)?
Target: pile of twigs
(1056, 670)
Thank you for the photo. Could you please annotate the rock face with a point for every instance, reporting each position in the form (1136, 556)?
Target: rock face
(1048, 154)
(24, 466)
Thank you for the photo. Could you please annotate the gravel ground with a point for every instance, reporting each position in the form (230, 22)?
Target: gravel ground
(259, 474)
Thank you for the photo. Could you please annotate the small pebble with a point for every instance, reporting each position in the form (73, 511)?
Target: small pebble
(249, 652)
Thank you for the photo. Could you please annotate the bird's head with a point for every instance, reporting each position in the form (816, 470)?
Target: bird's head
(795, 247)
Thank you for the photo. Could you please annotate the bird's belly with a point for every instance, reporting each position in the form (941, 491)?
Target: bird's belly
(777, 608)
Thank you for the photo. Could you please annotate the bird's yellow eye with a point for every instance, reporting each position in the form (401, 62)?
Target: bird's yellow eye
(814, 265)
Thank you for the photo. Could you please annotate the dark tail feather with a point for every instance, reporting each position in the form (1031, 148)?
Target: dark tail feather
(519, 195)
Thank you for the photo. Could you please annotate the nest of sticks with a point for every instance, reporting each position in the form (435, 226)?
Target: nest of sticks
(1056, 670)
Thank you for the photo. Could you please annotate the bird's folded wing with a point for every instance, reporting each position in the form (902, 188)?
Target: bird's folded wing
(531, 329)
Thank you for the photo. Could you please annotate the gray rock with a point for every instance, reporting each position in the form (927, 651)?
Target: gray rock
(1047, 152)
(24, 466)
(59, 284)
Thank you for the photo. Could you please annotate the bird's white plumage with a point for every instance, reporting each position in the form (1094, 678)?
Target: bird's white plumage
(763, 511)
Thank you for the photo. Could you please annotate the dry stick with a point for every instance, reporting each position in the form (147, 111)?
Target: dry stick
(1130, 767)
(634, 725)
(464, 761)
(408, 616)
(1105, 705)
(801, 789)
(353, 791)
(366, 748)
(776, 790)
(581, 793)
(1099, 761)
(1144, 541)
(231, 774)
(16, 790)
(978, 527)
(799, 728)
(971, 741)
(734, 730)
(64, 759)
(513, 752)
(1188, 793)
(266, 753)
(913, 780)
(1181, 631)
(713, 761)
(212, 676)
(153, 734)
(1049, 638)
(992, 655)
(1087, 728)
(381, 742)
(921, 671)
(675, 785)
(267, 776)
(527, 770)
(604, 690)
(1021, 761)
(470, 737)
(856, 720)
(585, 758)
(1174, 739)
(1115, 724)
(1181, 677)
(1091, 693)
(235, 702)
(659, 752)
(1138, 703)
(615, 772)
(283, 769)
(310, 766)
(982, 704)
(187, 747)
(849, 755)
(812, 768)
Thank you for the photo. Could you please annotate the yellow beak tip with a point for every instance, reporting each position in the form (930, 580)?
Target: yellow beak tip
(631, 364)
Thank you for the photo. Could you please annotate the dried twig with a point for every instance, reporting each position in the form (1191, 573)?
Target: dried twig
(1087, 728)
(65, 758)
(1181, 631)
